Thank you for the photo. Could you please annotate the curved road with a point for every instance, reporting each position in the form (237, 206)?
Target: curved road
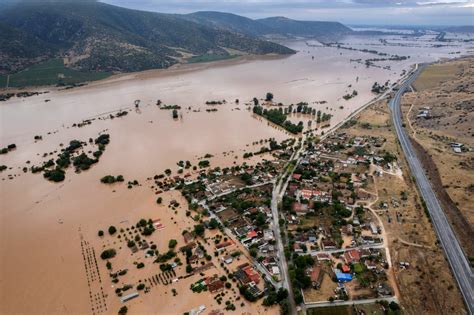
(454, 253)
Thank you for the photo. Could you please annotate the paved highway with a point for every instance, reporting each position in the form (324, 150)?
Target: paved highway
(456, 258)
(277, 194)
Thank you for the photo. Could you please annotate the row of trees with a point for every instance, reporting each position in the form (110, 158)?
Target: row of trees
(277, 117)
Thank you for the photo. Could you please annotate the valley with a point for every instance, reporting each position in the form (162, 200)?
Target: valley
(186, 124)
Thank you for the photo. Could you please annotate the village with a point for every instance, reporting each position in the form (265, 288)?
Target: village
(333, 240)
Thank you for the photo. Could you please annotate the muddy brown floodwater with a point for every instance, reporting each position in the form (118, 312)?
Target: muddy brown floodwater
(41, 223)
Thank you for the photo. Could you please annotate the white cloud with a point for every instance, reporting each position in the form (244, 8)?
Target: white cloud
(419, 12)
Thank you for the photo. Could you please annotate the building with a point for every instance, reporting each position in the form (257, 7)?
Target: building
(128, 297)
(246, 274)
(227, 259)
(328, 245)
(343, 277)
(316, 277)
(370, 265)
(323, 257)
(223, 245)
(300, 208)
(297, 248)
(275, 270)
(296, 176)
(373, 228)
(214, 284)
(351, 256)
(347, 229)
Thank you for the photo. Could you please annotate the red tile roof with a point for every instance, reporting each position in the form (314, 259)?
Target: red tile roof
(345, 268)
(252, 234)
(315, 273)
(296, 176)
(351, 256)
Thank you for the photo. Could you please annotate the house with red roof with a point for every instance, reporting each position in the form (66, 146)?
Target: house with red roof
(300, 208)
(214, 284)
(296, 176)
(352, 256)
(252, 234)
(316, 277)
(345, 268)
(252, 274)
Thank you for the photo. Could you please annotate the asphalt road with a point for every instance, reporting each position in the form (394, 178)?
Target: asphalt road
(277, 194)
(454, 253)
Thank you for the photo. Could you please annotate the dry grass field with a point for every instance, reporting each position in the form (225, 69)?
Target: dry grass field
(434, 75)
(427, 286)
(450, 107)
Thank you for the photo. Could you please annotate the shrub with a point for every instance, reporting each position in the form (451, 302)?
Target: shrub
(269, 97)
(108, 253)
(172, 243)
(56, 175)
(108, 179)
(112, 230)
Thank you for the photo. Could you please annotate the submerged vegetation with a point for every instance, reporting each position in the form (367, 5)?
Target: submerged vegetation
(54, 170)
(277, 117)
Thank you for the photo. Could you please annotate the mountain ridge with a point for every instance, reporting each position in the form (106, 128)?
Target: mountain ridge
(94, 36)
(102, 37)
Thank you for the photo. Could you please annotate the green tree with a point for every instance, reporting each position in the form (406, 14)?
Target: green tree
(112, 230)
(199, 230)
(172, 243)
(253, 252)
(189, 268)
(269, 97)
(261, 219)
(108, 253)
(213, 223)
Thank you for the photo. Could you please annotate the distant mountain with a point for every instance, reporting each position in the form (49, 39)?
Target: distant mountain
(279, 26)
(317, 29)
(231, 22)
(460, 29)
(102, 37)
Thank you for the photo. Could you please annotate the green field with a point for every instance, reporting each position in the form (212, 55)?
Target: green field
(50, 72)
(209, 58)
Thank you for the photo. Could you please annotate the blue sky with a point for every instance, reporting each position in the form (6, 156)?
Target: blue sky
(386, 12)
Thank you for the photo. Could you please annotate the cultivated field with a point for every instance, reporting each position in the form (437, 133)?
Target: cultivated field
(49, 73)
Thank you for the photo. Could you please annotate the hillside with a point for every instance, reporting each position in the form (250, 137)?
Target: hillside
(317, 29)
(279, 26)
(101, 37)
(231, 22)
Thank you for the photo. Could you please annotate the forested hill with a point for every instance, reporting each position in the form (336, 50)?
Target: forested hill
(275, 26)
(102, 37)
